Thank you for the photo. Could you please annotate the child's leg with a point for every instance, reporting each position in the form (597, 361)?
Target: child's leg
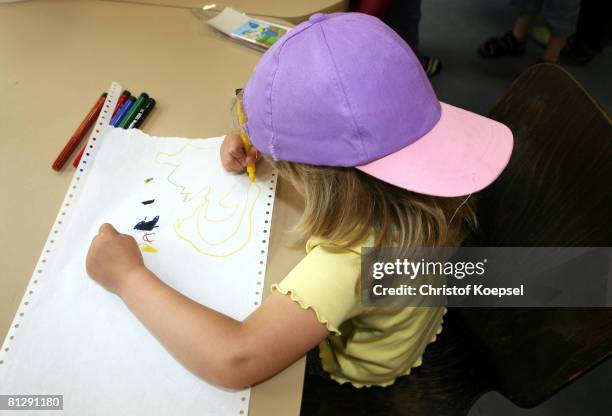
(561, 16)
(521, 27)
(551, 54)
(527, 11)
(513, 42)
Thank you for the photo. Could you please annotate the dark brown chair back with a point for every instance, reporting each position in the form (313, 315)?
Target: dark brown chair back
(556, 191)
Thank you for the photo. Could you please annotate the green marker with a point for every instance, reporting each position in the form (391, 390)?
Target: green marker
(134, 109)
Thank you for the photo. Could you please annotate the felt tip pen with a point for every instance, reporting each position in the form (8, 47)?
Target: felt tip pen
(245, 140)
(131, 113)
(142, 114)
(124, 96)
(122, 111)
(80, 132)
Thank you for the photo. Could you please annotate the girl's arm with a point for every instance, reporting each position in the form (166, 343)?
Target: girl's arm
(216, 347)
(213, 346)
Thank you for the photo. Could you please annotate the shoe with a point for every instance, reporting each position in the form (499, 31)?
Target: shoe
(507, 45)
(432, 66)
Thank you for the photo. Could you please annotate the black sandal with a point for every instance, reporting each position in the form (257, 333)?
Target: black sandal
(507, 45)
(577, 51)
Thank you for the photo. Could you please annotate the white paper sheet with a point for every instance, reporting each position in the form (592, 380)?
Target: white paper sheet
(211, 241)
(228, 20)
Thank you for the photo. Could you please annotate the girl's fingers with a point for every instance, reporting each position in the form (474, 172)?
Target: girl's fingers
(237, 155)
(232, 164)
(233, 156)
(253, 156)
(237, 152)
(106, 227)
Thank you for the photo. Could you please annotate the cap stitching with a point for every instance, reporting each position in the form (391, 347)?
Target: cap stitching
(344, 92)
(289, 38)
(272, 139)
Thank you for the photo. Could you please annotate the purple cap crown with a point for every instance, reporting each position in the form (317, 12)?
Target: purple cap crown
(338, 90)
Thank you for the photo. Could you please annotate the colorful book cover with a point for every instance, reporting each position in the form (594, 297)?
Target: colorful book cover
(260, 33)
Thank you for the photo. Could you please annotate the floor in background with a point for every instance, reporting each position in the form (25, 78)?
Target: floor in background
(588, 396)
(452, 31)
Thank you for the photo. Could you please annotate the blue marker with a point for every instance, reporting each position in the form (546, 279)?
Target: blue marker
(122, 112)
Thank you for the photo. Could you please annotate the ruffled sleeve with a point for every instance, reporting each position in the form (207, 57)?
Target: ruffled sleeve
(327, 283)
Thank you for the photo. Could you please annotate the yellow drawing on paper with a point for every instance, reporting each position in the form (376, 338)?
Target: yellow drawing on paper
(218, 219)
(148, 248)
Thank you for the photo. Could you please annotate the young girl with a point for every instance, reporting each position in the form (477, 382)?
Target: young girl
(342, 108)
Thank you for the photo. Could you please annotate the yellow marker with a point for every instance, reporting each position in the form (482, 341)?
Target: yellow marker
(245, 140)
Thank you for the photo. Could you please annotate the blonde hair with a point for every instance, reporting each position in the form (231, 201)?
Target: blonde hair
(345, 206)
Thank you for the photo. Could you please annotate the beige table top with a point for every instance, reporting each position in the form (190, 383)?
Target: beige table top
(57, 57)
(293, 11)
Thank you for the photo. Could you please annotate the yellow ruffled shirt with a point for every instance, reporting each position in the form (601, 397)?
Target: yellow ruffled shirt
(366, 346)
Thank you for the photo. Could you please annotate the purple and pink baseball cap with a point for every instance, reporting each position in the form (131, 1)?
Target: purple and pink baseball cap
(344, 89)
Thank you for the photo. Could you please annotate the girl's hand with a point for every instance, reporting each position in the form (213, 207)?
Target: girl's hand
(233, 156)
(113, 258)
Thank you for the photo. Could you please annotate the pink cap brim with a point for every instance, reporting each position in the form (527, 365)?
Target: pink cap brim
(462, 154)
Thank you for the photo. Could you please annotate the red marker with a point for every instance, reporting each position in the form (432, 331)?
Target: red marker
(80, 132)
(124, 96)
(77, 159)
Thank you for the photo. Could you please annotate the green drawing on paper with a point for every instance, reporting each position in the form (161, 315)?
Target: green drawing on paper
(219, 208)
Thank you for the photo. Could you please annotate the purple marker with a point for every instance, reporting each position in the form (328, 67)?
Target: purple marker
(122, 112)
